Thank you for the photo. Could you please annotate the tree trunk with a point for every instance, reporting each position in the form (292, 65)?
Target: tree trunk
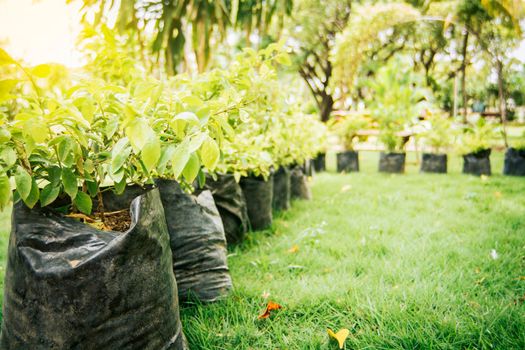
(327, 105)
(502, 101)
(463, 75)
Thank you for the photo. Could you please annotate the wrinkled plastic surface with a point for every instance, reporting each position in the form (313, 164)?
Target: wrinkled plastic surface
(319, 162)
(514, 162)
(477, 163)
(70, 286)
(231, 204)
(197, 242)
(392, 162)
(281, 188)
(299, 184)
(347, 161)
(259, 197)
(434, 163)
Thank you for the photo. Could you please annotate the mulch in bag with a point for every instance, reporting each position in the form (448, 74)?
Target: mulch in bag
(514, 162)
(281, 188)
(71, 286)
(197, 242)
(259, 196)
(348, 161)
(392, 162)
(231, 204)
(434, 163)
(477, 163)
(319, 162)
(299, 184)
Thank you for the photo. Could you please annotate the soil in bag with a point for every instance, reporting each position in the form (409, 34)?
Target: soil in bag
(434, 163)
(514, 162)
(299, 184)
(259, 196)
(392, 162)
(477, 163)
(348, 161)
(230, 202)
(71, 286)
(281, 188)
(319, 162)
(198, 243)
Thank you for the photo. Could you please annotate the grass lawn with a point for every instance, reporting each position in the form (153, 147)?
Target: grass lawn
(402, 261)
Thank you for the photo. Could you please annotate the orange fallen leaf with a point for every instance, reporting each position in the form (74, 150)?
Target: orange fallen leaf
(269, 308)
(340, 336)
(293, 249)
(74, 263)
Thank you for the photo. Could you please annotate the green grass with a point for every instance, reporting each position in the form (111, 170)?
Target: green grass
(403, 261)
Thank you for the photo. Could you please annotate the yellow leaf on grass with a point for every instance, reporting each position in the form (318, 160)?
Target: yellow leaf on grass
(346, 188)
(340, 336)
(294, 249)
(484, 178)
(497, 194)
(271, 306)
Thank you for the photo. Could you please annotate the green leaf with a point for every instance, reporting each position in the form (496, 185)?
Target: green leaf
(54, 175)
(191, 170)
(6, 86)
(8, 155)
(34, 195)
(150, 154)
(5, 191)
(23, 182)
(70, 182)
(210, 153)
(83, 202)
(119, 155)
(283, 58)
(139, 133)
(166, 156)
(66, 149)
(196, 142)
(5, 135)
(180, 158)
(41, 71)
(92, 187)
(49, 194)
(5, 58)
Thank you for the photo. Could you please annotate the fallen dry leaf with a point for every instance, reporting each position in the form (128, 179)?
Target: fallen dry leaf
(74, 263)
(340, 336)
(346, 188)
(271, 306)
(484, 178)
(265, 295)
(497, 194)
(294, 249)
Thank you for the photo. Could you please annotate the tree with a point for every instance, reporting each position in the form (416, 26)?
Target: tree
(313, 28)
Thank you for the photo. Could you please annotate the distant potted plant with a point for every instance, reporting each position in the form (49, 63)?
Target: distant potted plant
(475, 146)
(437, 136)
(347, 128)
(397, 98)
(515, 159)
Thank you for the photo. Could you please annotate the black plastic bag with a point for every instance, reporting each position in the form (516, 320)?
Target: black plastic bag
(434, 163)
(197, 242)
(231, 204)
(514, 162)
(319, 162)
(299, 184)
(477, 163)
(281, 188)
(348, 161)
(259, 197)
(392, 162)
(71, 286)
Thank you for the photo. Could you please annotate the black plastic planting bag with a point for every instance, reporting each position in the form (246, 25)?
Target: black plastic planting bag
(299, 184)
(281, 189)
(259, 197)
(319, 162)
(392, 162)
(347, 161)
(231, 204)
(71, 286)
(514, 162)
(434, 163)
(197, 242)
(477, 163)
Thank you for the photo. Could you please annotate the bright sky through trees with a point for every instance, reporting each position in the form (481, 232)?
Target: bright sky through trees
(40, 31)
